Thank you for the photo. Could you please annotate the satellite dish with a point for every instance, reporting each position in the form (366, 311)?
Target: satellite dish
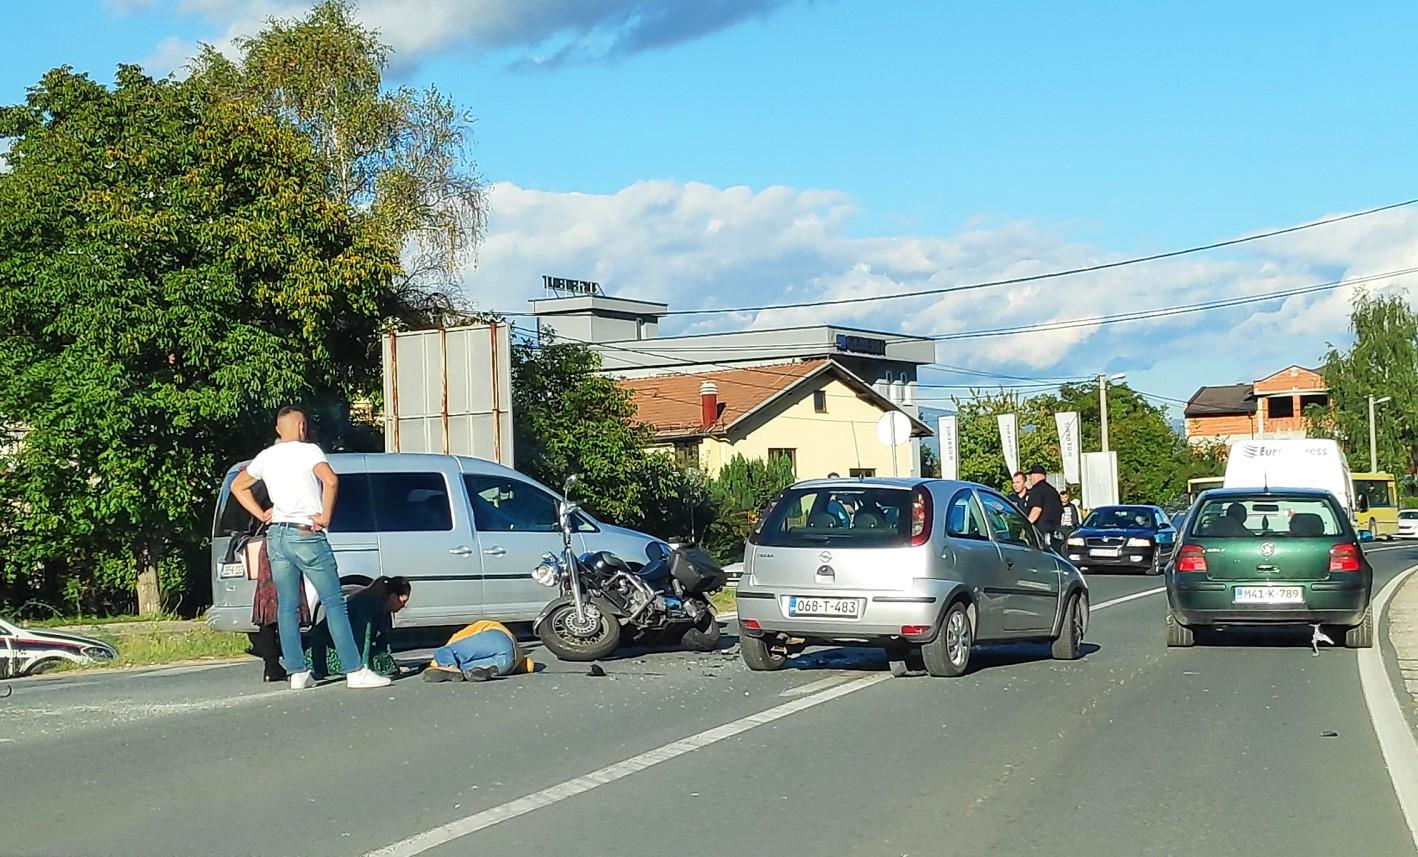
(893, 429)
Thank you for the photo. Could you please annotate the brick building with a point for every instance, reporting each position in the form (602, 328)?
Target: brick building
(1272, 407)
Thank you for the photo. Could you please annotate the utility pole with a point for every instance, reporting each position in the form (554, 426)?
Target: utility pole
(1373, 434)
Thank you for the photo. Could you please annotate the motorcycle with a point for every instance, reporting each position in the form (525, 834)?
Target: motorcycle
(603, 598)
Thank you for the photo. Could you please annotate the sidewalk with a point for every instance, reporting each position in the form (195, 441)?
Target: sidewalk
(1403, 633)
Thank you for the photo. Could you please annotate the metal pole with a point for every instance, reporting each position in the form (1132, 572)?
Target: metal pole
(1103, 407)
(1373, 440)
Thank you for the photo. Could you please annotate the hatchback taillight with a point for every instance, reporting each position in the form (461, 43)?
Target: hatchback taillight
(1191, 558)
(1344, 557)
(920, 517)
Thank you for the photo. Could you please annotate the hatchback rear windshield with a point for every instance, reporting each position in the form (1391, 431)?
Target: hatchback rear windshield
(844, 516)
(1267, 517)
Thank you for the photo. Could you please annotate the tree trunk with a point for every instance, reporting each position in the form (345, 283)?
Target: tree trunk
(149, 591)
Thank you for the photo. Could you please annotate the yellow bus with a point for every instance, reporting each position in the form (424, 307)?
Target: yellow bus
(1376, 503)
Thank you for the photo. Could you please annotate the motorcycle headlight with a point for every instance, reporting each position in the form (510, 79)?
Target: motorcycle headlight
(1139, 543)
(548, 573)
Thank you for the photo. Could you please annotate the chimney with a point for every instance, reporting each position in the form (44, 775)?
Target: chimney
(708, 404)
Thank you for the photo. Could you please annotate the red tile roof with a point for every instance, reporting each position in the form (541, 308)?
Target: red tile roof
(670, 403)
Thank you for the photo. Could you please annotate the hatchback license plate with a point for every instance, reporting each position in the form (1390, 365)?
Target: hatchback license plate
(1269, 595)
(836, 608)
(232, 569)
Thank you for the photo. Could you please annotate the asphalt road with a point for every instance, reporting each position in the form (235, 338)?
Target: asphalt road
(1249, 747)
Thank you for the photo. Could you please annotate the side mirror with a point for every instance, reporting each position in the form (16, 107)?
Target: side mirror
(569, 484)
(1366, 535)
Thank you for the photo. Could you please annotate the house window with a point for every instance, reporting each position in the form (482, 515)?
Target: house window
(862, 472)
(1306, 402)
(790, 454)
(1280, 407)
(687, 453)
(819, 401)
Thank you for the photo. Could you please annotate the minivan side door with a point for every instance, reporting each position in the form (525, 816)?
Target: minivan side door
(516, 524)
(975, 558)
(1030, 590)
(426, 535)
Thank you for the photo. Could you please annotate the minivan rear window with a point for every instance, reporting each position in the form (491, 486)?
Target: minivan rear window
(1268, 517)
(846, 516)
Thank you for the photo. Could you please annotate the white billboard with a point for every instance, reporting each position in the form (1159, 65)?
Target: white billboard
(1009, 440)
(1069, 445)
(949, 447)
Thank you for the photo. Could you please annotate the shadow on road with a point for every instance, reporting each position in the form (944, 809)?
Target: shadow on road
(867, 659)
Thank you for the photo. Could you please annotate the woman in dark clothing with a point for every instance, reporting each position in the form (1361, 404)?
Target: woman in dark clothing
(371, 612)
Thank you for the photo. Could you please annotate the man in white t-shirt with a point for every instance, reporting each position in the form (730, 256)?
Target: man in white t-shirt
(302, 487)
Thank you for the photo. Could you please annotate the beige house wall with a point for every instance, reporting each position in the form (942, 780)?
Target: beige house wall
(838, 441)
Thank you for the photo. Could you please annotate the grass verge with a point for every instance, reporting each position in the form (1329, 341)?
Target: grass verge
(724, 600)
(145, 649)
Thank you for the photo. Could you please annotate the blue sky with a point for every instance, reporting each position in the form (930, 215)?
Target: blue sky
(737, 151)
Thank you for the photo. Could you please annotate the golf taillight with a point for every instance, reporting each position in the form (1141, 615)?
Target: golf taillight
(1191, 558)
(920, 517)
(1344, 557)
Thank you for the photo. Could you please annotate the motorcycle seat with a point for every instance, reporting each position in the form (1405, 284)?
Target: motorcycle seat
(611, 561)
(657, 571)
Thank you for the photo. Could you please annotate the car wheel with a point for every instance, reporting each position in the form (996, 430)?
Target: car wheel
(948, 654)
(1178, 635)
(1156, 567)
(758, 657)
(44, 666)
(1361, 636)
(1066, 644)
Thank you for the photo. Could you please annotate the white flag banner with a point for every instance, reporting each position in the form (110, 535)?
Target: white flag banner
(1070, 446)
(949, 448)
(1009, 439)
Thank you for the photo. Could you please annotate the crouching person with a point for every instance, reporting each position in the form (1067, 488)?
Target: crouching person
(481, 651)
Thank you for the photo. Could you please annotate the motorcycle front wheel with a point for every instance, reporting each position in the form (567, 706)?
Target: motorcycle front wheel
(570, 639)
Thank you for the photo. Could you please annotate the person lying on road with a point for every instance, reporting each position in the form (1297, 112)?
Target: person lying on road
(483, 650)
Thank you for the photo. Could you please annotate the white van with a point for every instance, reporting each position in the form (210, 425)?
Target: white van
(1300, 463)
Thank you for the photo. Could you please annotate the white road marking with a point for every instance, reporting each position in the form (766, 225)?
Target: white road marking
(422, 842)
(815, 686)
(419, 843)
(1395, 738)
(1126, 598)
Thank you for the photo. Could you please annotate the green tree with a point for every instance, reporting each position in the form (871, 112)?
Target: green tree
(172, 268)
(740, 491)
(930, 462)
(1382, 361)
(982, 457)
(398, 157)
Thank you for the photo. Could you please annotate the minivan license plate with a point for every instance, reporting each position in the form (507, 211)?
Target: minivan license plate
(231, 569)
(1269, 595)
(836, 608)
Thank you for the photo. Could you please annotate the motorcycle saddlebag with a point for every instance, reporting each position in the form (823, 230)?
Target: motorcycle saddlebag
(695, 571)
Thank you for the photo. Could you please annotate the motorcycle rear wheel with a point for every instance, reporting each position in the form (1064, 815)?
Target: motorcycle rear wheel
(558, 634)
(702, 639)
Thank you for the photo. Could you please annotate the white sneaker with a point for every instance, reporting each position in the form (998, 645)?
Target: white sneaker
(301, 680)
(366, 678)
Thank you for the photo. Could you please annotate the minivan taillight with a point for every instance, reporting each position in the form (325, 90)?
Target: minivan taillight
(1191, 558)
(1344, 557)
(920, 517)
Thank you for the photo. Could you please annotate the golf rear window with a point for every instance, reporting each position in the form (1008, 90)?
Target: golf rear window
(845, 516)
(1267, 517)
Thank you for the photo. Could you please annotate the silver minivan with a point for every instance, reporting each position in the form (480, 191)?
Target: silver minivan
(467, 534)
(900, 563)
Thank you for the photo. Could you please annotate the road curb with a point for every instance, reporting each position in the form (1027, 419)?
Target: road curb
(1387, 706)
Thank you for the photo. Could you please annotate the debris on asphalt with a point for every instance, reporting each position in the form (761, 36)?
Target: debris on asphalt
(596, 671)
(1329, 734)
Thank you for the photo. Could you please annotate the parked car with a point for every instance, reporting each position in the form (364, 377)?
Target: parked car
(900, 563)
(1408, 524)
(28, 651)
(1270, 557)
(466, 532)
(1131, 538)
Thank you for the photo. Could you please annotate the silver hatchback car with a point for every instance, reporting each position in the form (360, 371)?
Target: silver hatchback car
(899, 563)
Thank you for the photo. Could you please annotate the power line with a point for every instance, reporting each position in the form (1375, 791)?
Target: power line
(1034, 278)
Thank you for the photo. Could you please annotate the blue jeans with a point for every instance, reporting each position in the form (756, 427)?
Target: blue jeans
(490, 648)
(295, 555)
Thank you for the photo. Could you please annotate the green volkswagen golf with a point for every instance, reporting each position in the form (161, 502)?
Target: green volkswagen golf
(1269, 557)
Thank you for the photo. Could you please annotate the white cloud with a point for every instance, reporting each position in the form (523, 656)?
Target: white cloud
(538, 33)
(694, 245)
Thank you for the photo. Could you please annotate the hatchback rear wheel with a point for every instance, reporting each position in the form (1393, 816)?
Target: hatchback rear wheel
(758, 657)
(948, 654)
(1361, 636)
(1178, 635)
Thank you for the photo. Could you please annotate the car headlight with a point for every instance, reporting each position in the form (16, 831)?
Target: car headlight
(1139, 543)
(1076, 542)
(548, 573)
